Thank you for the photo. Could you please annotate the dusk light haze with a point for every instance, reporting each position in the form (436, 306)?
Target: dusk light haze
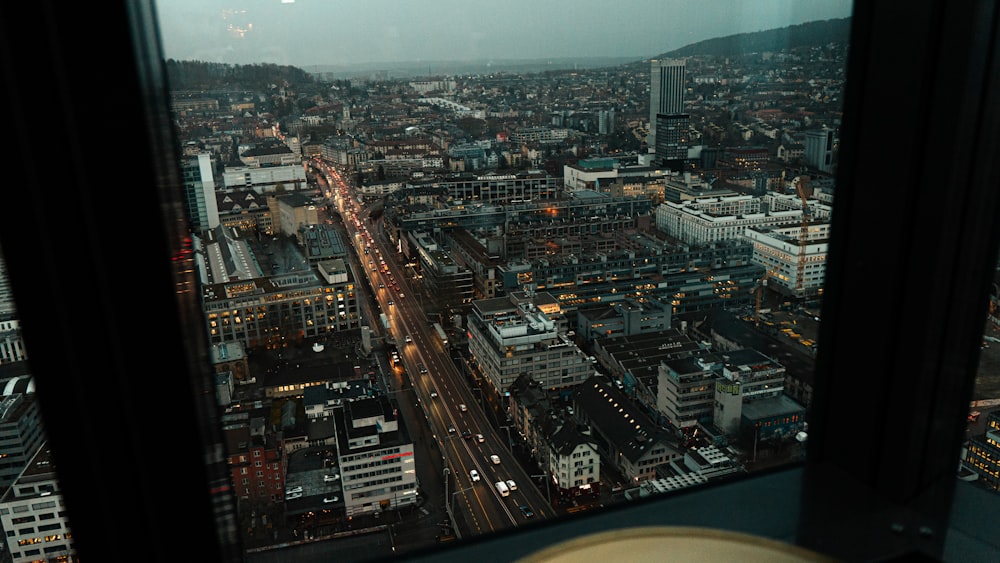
(309, 32)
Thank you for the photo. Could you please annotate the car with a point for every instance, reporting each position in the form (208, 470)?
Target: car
(451, 429)
(434, 394)
(495, 459)
(475, 475)
(463, 408)
(480, 438)
(327, 500)
(511, 485)
(391, 303)
(423, 368)
(381, 285)
(467, 435)
(291, 496)
(295, 489)
(527, 511)
(329, 478)
(408, 339)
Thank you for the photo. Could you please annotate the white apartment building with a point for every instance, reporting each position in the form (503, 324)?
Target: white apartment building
(685, 390)
(706, 220)
(509, 336)
(375, 456)
(703, 221)
(574, 462)
(747, 375)
(11, 342)
(795, 258)
(792, 250)
(265, 180)
(33, 514)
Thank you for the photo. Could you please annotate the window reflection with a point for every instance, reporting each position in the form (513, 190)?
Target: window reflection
(981, 451)
(32, 511)
(620, 266)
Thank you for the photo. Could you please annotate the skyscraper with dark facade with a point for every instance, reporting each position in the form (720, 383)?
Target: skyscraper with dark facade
(668, 123)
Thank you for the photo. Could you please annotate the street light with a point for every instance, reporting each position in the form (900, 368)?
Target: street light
(510, 441)
(454, 523)
(548, 496)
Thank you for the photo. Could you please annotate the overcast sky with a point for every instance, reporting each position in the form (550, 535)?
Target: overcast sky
(334, 32)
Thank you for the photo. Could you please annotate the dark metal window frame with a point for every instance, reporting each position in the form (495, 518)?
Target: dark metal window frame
(95, 242)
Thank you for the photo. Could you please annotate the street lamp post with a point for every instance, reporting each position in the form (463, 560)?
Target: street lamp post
(451, 501)
(447, 504)
(548, 496)
(510, 441)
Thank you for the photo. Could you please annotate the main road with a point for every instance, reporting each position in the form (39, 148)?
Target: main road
(469, 444)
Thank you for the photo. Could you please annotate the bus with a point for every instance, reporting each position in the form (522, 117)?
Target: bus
(441, 334)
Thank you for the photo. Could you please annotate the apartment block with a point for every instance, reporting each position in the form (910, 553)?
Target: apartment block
(33, 514)
(519, 334)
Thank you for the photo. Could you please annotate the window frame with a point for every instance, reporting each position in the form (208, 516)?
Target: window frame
(126, 409)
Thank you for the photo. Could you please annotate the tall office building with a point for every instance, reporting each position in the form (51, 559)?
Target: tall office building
(819, 149)
(673, 140)
(199, 189)
(666, 92)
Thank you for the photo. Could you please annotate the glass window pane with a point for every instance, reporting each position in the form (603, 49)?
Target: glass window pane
(594, 270)
(981, 451)
(32, 509)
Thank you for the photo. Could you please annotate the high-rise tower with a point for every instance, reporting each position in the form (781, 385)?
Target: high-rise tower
(666, 92)
(819, 149)
(199, 191)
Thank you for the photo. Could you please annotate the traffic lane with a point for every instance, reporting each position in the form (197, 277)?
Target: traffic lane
(487, 512)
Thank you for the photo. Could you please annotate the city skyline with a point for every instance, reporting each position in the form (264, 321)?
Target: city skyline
(303, 34)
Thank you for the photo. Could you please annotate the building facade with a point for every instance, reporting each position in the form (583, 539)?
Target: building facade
(21, 430)
(375, 456)
(198, 178)
(686, 390)
(33, 514)
(666, 92)
(983, 453)
(819, 145)
(746, 376)
(511, 336)
(266, 179)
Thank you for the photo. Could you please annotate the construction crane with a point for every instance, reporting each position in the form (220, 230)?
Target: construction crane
(805, 191)
(760, 297)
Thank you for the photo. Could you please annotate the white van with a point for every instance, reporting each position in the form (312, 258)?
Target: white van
(502, 487)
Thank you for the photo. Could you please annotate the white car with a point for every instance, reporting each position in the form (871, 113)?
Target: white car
(327, 500)
(329, 478)
(480, 438)
(295, 489)
(475, 475)
(495, 459)
(462, 408)
(511, 485)
(290, 496)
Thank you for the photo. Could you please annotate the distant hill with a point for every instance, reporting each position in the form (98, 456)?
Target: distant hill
(809, 34)
(201, 75)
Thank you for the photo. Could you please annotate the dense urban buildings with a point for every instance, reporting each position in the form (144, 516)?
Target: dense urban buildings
(572, 274)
